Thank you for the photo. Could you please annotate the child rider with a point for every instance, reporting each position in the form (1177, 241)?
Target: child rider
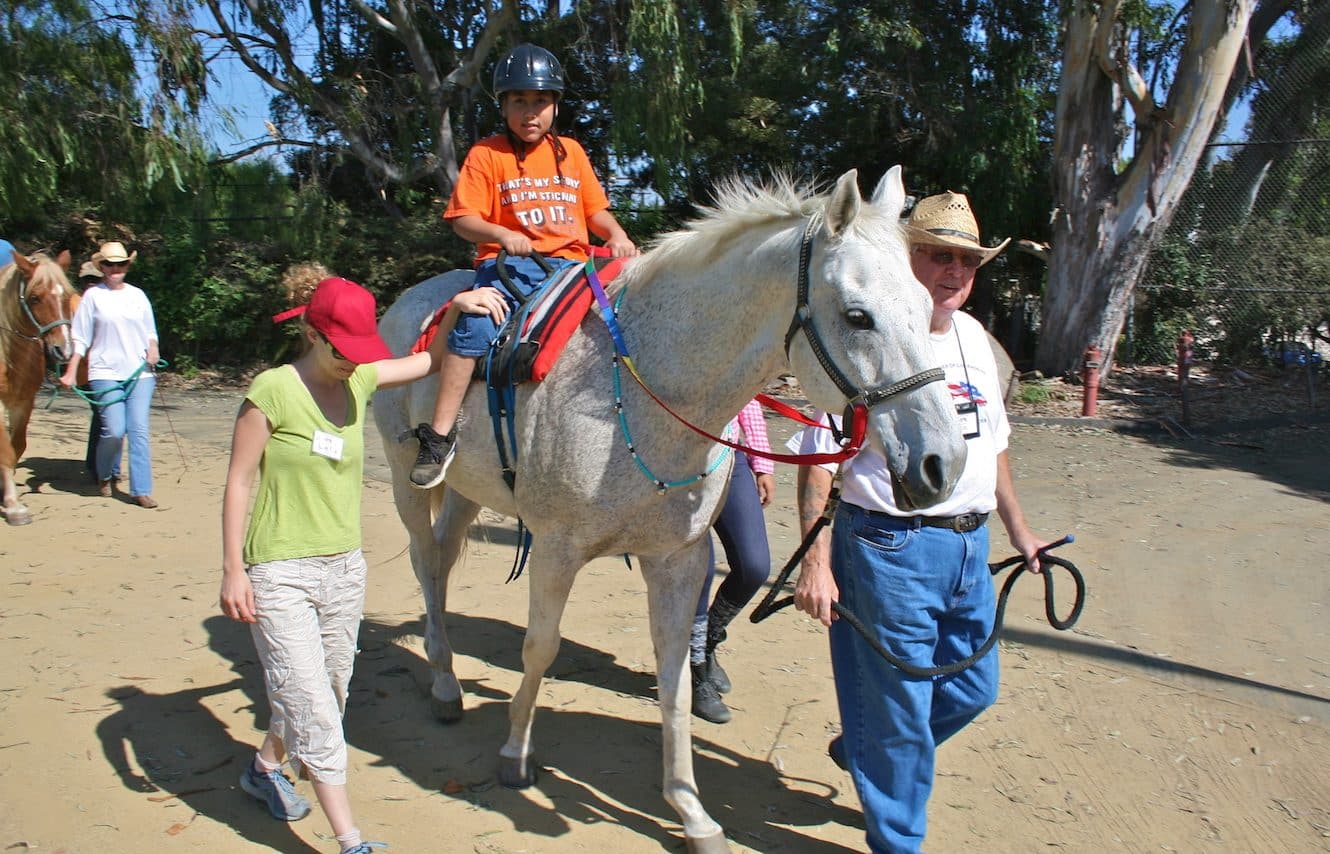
(524, 190)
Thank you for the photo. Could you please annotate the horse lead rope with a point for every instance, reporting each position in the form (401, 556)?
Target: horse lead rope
(769, 604)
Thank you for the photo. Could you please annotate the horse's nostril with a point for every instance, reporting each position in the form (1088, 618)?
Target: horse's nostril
(932, 470)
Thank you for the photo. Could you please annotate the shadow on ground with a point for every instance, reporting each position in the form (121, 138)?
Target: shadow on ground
(181, 751)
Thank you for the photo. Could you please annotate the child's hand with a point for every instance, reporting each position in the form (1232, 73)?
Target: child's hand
(622, 247)
(483, 301)
(766, 487)
(516, 244)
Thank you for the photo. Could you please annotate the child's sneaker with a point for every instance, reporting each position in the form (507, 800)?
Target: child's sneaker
(275, 790)
(433, 457)
(365, 848)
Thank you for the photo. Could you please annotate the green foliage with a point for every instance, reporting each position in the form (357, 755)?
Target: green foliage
(1034, 392)
(73, 119)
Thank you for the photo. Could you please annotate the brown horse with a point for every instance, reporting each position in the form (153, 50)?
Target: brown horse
(36, 304)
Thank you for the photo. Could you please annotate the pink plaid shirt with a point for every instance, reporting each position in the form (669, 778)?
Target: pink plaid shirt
(754, 427)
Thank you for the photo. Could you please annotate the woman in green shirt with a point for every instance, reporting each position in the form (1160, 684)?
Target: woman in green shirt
(296, 573)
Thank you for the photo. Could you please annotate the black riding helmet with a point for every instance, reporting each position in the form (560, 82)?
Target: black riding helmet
(528, 68)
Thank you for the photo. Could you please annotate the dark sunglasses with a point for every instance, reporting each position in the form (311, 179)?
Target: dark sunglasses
(115, 264)
(945, 257)
(335, 352)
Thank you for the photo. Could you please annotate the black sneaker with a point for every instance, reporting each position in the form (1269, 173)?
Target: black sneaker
(707, 703)
(433, 457)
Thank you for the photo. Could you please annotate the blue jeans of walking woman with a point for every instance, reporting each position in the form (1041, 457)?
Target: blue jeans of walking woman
(127, 418)
(928, 595)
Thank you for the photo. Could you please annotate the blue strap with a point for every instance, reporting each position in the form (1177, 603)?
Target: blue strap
(607, 312)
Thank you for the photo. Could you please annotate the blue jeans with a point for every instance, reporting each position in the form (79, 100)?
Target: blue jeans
(473, 333)
(94, 436)
(928, 594)
(128, 417)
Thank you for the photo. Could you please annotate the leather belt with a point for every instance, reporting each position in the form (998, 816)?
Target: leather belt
(962, 524)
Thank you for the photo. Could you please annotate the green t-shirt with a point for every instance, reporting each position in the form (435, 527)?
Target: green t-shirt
(308, 500)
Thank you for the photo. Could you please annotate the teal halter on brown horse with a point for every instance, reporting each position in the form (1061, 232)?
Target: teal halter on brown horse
(36, 305)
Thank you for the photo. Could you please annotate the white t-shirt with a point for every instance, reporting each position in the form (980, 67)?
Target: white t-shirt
(112, 329)
(867, 481)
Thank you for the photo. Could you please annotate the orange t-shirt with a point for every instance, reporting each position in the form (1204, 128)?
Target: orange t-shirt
(550, 206)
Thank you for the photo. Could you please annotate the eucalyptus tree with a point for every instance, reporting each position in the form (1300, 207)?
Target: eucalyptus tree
(1288, 86)
(378, 82)
(1124, 153)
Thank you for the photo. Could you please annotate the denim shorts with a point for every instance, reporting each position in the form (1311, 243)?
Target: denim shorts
(473, 333)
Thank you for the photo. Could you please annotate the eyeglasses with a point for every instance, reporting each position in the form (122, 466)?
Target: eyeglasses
(115, 265)
(335, 352)
(945, 257)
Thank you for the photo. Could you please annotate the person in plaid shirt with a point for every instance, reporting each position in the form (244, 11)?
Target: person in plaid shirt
(743, 534)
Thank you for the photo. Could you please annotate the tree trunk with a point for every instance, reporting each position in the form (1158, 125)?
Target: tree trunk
(1107, 217)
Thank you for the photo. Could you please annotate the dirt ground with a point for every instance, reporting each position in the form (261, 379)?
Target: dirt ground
(1189, 710)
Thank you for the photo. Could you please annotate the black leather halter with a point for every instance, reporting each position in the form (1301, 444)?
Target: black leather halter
(857, 400)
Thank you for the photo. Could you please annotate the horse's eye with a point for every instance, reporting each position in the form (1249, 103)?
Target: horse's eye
(857, 318)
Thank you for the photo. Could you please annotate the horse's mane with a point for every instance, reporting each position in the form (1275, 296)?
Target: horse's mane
(47, 274)
(740, 208)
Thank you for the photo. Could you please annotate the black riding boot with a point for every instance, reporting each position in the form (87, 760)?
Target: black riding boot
(707, 703)
(719, 615)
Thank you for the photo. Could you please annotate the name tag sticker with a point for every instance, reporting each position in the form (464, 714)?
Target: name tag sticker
(328, 445)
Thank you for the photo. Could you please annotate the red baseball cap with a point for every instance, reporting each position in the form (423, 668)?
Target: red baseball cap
(344, 313)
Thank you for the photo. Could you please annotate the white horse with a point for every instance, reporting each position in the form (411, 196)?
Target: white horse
(707, 318)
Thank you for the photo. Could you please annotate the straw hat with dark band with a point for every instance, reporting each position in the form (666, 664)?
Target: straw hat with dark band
(114, 253)
(946, 220)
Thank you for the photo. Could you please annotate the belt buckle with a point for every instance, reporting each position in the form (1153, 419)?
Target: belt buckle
(964, 523)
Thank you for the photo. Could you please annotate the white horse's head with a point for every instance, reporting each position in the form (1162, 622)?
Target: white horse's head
(871, 317)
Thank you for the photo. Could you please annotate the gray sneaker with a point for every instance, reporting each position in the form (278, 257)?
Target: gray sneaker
(276, 791)
(365, 848)
(433, 457)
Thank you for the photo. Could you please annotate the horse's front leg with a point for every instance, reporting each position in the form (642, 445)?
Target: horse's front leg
(551, 575)
(433, 561)
(673, 586)
(12, 443)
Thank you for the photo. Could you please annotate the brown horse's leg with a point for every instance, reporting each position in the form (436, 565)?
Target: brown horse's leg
(13, 441)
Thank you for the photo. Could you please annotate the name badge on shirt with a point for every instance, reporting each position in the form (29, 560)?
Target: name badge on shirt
(328, 445)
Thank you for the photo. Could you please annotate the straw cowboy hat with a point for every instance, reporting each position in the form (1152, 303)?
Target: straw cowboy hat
(114, 252)
(90, 270)
(946, 220)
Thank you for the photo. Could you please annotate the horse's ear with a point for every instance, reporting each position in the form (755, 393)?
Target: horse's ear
(843, 205)
(25, 265)
(63, 259)
(890, 193)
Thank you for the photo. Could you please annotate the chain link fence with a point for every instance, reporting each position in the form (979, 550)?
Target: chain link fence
(1245, 266)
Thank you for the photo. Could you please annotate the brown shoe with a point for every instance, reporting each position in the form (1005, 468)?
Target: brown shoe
(104, 487)
(145, 501)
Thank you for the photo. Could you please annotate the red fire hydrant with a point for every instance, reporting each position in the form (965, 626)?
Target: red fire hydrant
(1090, 381)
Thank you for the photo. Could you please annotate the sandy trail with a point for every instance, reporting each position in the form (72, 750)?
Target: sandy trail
(1189, 710)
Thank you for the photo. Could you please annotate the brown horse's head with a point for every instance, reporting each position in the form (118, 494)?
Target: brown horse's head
(40, 303)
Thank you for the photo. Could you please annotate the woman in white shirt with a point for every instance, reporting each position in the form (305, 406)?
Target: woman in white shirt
(114, 329)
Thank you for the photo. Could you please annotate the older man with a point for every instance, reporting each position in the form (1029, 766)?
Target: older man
(918, 577)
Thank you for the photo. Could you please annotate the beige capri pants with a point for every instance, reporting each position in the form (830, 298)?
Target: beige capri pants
(308, 612)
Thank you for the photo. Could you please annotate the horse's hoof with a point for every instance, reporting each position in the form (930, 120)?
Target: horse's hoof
(16, 518)
(446, 711)
(713, 844)
(516, 773)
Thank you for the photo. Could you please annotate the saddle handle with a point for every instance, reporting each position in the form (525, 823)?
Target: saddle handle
(507, 282)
